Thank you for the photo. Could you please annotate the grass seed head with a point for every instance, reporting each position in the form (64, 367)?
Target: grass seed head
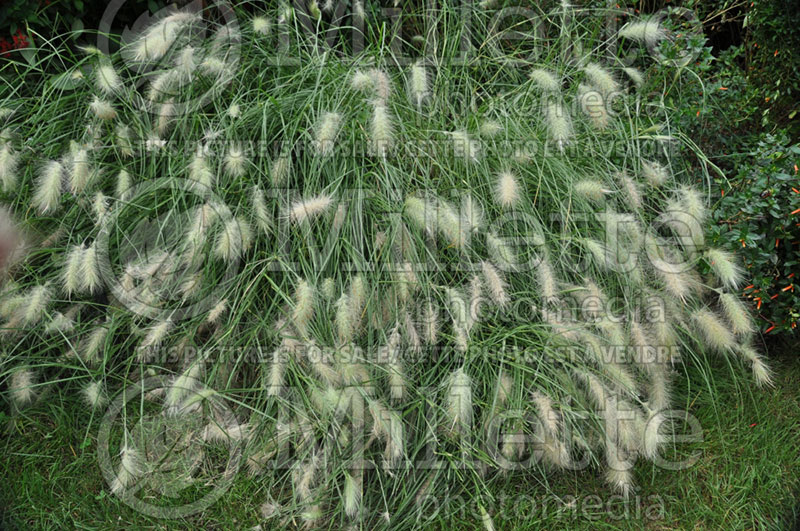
(156, 334)
(71, 273)
(47, 196)
(459, 402)
(303, 307)
(713, 330)
(280, 169)
(326, 132)
(418, 83)
(123, 186)
(430, 324)
(236, 161)
(761, 371)
(102, 109)
(352, 495)
(601, 79)
(157, 40)
(36, 302)
(507, 190)
(94, 394)
(381, 131)
(495, 284)
(90, 271)
(559, 124)
(262, 26)
(99, 207)
(737, 314)
(9, 163)
(645, 31)
(217, 311)
(490, 128)
(591, 190)
(261, 215)
(635, 75)
(92, 348)
(309, 209)
(725, 267)
(546, 81)
(655, 174)
(465, 147)
(20, 386)
(108, 81)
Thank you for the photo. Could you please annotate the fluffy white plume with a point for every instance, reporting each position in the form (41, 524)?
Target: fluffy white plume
(418, 83)
(601, 79)
(545, 80)
(236, 161)
(71, 274)
(108, 81)
(303, 307)
(655, 174)
(47, 196)
(592, 190)
(90, 271)
(646, 31)
(21, 385)
(725, 267)
(102, 109)
(9, 163)
(123, 140)
(261, 215)
(309, 209)
(495, 284)
(507, 190)
(381, 131)
(262, 26)
(465, 147)
(281, 169)
(131, 468)
(326, 131)
(157, 40)
(352, 494)
(593, 105)
(94, 394)
(712, 329)
(559, 124)
(761, 371)
(459, 402)
(737, 314)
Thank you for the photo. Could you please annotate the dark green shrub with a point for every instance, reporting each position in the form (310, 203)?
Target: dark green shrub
(759, 217)
(773, 59)
(50, 17)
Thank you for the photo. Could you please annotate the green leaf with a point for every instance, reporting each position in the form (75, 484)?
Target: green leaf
(77, 27)
(29, 53)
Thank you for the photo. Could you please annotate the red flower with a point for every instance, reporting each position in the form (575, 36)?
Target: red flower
(20, 39)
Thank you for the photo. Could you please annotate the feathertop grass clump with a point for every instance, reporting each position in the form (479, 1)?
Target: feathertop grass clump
(364, 275)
